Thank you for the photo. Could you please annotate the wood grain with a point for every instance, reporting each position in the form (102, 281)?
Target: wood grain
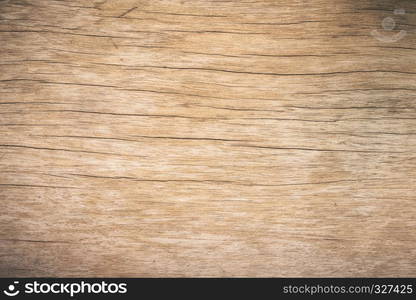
(207, 138)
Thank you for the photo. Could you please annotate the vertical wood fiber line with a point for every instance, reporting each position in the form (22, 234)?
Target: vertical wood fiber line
(207, 138)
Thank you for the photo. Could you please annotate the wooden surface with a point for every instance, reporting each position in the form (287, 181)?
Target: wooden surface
(207, 138)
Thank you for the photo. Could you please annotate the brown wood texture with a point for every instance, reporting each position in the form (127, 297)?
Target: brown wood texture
(207, 138)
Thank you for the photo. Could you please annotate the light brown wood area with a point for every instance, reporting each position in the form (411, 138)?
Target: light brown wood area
(207, 138)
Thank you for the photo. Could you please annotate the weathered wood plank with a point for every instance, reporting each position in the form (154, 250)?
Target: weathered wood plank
(207, 138)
